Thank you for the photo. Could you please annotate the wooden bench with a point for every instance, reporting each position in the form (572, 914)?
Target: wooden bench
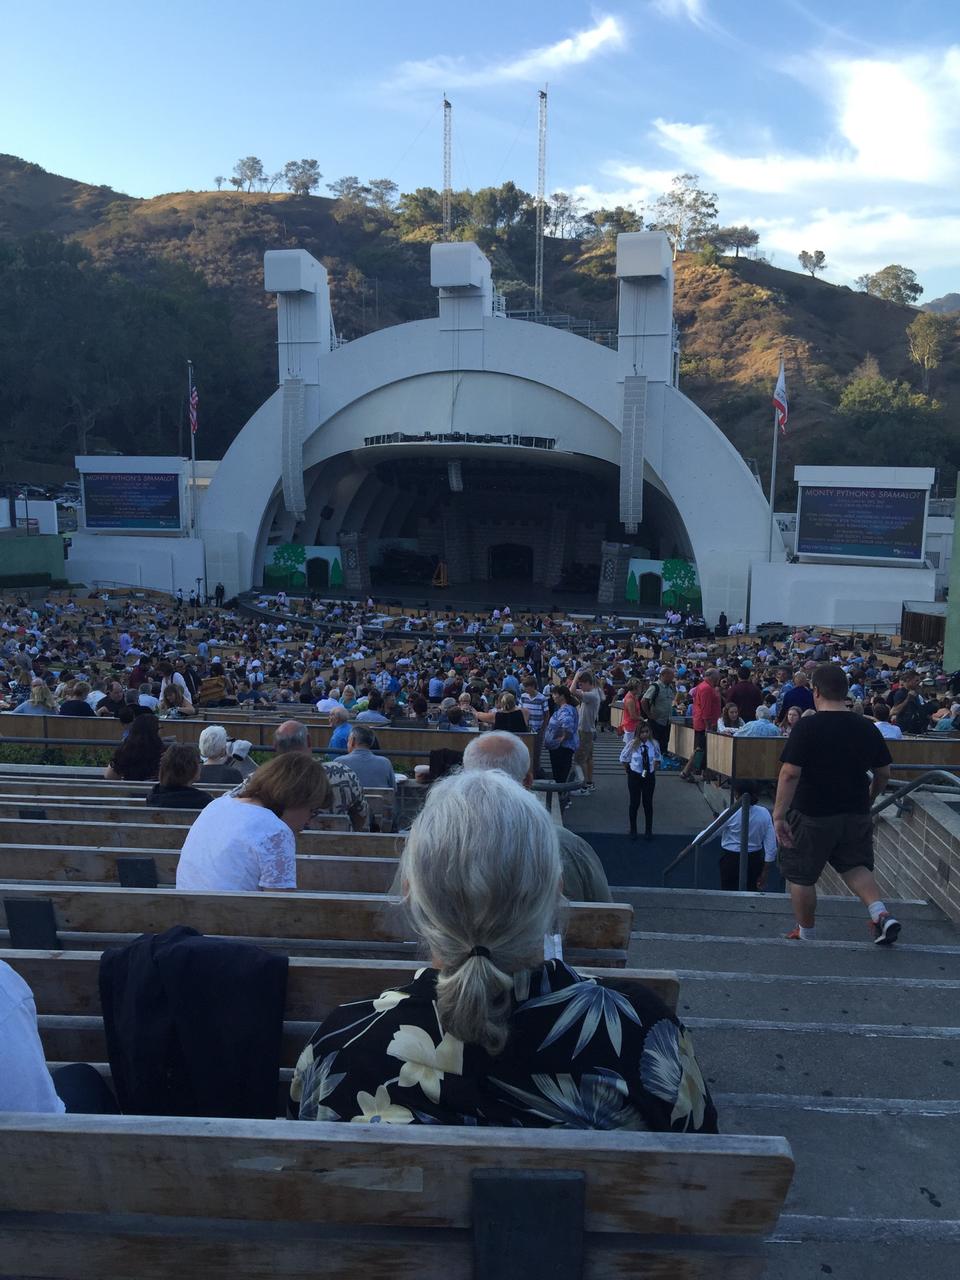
(133, 867)
(67, 995)
(100, 1198)
(595, 932)
(142, 834)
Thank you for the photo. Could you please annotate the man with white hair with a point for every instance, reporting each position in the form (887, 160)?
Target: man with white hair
(584, 879)
(762, 727)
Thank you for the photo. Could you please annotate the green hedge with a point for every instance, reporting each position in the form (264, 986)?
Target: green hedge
(13, 753)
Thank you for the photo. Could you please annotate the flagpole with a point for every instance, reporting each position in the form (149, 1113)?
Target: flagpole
(773, 476)
(193, 454)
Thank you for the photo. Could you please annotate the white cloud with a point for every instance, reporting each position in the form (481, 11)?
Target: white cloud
(446, 72)
(880, 186)
(693, 10)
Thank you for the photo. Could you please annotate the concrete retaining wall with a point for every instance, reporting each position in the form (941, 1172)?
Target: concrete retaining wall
(916, 856)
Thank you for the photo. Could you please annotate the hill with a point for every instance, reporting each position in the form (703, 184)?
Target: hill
(103, 297)
(948, 305)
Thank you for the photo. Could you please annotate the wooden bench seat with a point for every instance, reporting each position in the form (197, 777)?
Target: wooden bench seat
(319, 873)
(105, 1198)
(595, 932)
(147, 834)
(65, 988)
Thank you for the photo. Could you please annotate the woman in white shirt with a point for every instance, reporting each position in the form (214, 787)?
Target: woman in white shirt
(247, 842)
(761, 844)
(642, 778)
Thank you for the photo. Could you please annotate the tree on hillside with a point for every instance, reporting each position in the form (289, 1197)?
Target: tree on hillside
(812, 262)
(350, 189)
(420, 208)
(687, 213)
(565, 215)
(736, 238)
(236, 183)
(249, 171)
(270, 180)
(383, 193)
(611, 222)
(893, 284)
(302, 176)
(925, 340)
(219, 180)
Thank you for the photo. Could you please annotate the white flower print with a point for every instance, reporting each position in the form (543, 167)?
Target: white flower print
(380, 1110)
(389, 1000)
(425, 1063)
(670, 1071)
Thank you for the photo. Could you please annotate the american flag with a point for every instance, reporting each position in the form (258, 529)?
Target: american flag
(193, 411)
(780, 400)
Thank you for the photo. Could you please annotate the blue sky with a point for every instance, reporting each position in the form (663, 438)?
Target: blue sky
(825, 125)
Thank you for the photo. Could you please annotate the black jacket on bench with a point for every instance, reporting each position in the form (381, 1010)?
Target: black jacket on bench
(193, 1025)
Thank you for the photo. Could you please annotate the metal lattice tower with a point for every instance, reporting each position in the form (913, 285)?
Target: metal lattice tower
(447, 169)
(541, 203)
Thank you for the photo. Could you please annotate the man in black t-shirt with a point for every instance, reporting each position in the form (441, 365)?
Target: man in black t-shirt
(822, 810)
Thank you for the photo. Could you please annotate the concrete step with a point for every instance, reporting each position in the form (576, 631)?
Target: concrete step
(775, 924)
(831, 999)
(713, 900)
(846, 1061)
(723, 954)
(896, 1250)
(841, 1156)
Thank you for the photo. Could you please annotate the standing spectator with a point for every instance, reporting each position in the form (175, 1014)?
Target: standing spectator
(822, 811)
(632, 715)
(537, 707)
(706, 713)
(642, 779)
(585, 688)
(747, 694)
(561, 737)
(657, 705)
(761, 843)
(800, 696)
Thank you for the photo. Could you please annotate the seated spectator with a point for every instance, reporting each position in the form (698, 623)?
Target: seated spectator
(508, 716)
(179, 770)
(584, 879)
(137, 759)
(950, 723)
(484, 1037)
(374, 711)
(373, 771)
(173, 705)
(75, 700)
(340, 727)
(25, 1083)
(346, 789)
(881, 718)
(329, 701)
(216, 689)
(40, 703)
(239, 757)
(213, 748)
(761, 727)
(112, 700)
(348, 698)
(247, 841)
(729, 721)
(417, 710)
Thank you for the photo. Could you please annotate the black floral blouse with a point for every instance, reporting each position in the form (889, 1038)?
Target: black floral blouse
(579, 1056)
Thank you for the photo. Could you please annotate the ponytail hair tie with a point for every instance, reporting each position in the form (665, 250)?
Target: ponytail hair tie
(479, 951)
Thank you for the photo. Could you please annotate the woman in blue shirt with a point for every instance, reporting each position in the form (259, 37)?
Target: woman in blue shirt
(562, 737)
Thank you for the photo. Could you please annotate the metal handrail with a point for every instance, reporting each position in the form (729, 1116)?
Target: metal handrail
(897, 797)
(720, 821)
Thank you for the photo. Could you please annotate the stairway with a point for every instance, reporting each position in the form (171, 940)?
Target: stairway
(849, 1050)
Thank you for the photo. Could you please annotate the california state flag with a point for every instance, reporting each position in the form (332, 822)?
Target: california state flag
(780, 400)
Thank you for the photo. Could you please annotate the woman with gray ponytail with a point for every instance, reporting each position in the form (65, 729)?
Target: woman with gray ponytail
(492, 1033)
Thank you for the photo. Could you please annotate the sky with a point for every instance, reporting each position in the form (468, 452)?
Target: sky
(823, 125)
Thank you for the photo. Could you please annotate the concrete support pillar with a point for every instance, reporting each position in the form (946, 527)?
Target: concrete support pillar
(951, 646)
(356, 570)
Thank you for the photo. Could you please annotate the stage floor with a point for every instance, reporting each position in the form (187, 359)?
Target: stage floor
(522, 597)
